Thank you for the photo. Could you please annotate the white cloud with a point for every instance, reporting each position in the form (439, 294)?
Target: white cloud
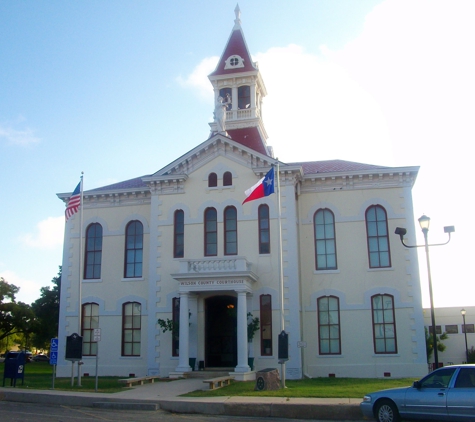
(29, 290)
(198, 79)
(17, 136)
(49, 234)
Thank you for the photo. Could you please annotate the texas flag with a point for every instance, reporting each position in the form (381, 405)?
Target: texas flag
(263, 187)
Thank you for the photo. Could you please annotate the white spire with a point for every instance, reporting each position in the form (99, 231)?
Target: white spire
(237, 21)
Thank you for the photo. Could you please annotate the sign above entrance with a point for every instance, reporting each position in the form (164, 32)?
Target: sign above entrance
(218, 284)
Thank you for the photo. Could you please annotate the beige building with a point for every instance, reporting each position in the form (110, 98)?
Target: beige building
(451, 321)
(178, 244)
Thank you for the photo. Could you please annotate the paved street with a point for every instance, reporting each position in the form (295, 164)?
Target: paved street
(21, 412)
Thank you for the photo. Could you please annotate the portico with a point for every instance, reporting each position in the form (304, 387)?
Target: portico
(232, 277)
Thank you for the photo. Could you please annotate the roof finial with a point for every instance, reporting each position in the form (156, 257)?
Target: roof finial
(237, 12)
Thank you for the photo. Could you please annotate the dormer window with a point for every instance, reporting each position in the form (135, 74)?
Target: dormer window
(234, 62)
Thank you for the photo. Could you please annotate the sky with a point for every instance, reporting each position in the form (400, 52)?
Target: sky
(105, 87)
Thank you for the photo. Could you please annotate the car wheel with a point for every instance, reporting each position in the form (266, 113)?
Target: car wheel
(386, 411)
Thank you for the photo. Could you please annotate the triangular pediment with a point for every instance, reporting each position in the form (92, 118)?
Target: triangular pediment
(215, 146)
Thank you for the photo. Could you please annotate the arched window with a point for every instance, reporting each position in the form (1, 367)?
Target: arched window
(329, 325)
(227, 179)
(133, 249)
(384, 324)
(211, 232)
(212, 180)
(230, 231)
(325, 242)
(377, 237)
(93, 257)
(224, 92)
(131, 328)
(179, 234)
(266, 324)
(264, 229)
(244, 97)
(90, 320)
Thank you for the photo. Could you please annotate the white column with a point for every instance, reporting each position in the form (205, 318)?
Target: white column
(183, 361)
(242, 365)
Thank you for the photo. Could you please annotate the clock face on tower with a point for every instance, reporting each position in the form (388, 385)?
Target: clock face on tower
(233, 62)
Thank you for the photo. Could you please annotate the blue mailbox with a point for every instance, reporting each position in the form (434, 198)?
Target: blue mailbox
(14, 367)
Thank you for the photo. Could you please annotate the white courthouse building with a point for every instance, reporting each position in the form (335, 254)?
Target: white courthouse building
(179, 244)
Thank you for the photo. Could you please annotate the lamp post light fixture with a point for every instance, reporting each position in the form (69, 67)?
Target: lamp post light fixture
(424, 222)
(463, 312)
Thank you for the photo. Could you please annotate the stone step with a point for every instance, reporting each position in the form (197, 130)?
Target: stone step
(210, 373)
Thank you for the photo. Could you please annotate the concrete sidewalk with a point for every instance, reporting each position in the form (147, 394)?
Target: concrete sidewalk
(166, 396)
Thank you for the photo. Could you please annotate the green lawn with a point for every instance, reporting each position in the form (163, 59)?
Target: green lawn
(39, 375)
(315, 387)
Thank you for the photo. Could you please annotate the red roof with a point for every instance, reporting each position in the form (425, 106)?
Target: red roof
(249, 137)
(236, 45)
(333, 166)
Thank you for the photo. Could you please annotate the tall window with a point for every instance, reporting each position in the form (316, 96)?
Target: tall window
(264, 229)
(325, 243)
(329, 325)
(224, 92)
(179, 234)
(212, 180)
(378, 240)
(266, 325)
(384, 324)
(227, 178)
(90, 320)
(244, 97)
(133, 249)
(93, 258)
(176, 323)
(211, 232)
(131, 328)
(230, 231)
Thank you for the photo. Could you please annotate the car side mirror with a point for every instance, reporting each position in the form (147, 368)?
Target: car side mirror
(416, 384)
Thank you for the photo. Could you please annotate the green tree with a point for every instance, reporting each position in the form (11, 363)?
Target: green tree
(430, 343)
(15, 317)
(46, 310)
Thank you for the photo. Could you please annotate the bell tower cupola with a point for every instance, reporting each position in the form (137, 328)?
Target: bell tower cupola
(238, 93)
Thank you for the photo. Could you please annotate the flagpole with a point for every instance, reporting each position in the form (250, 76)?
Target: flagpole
(81, 257)
(281, 272)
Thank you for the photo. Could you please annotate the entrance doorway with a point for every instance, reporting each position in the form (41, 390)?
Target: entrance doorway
(221, 332)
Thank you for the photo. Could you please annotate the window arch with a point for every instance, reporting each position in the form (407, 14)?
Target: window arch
(90, 321)
(264, 229)
(384, 324)
(377, 237)
(93, 256)
(227, 179)
(329, 341)
(179, 234)
(244, 97)
(131, 328)
(266, 324)
(212, 180)
(133, 249)
(230, 231)
(325, 241)
(211, 232)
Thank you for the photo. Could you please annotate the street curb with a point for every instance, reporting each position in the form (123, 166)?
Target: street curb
(321, 411)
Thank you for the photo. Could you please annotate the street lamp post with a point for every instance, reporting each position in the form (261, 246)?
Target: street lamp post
(424, 222)
(463, 312)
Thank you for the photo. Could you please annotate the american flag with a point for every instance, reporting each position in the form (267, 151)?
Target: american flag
(74, 202)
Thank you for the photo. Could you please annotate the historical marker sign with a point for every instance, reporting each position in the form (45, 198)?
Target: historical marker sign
(74, 347)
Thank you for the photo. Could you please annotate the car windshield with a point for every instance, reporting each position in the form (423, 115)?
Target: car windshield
(438, 379)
